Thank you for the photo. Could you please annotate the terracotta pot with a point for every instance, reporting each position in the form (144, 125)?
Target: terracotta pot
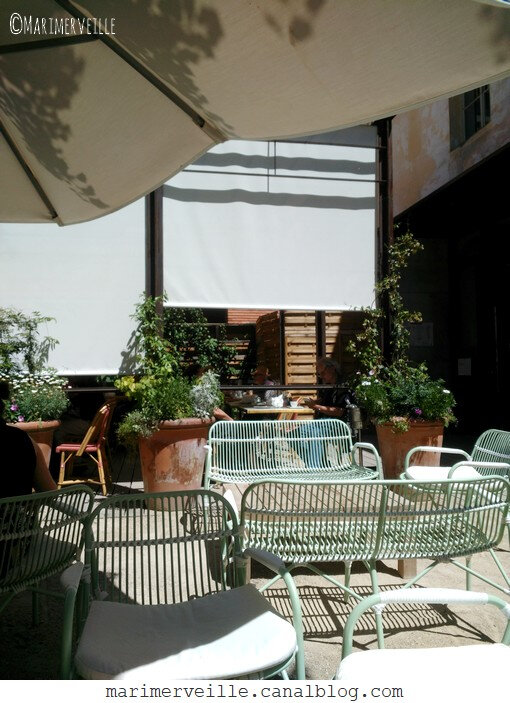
(393, 446)
(42, 435)
(172, 459)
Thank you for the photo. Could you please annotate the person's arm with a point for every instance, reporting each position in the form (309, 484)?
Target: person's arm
(328, 410)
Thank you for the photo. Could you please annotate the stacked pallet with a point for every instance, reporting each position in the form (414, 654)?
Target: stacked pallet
(300, 351)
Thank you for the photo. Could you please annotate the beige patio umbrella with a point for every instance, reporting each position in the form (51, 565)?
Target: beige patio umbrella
(90, 122)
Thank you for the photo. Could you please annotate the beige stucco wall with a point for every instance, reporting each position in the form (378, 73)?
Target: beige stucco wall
(422, 160)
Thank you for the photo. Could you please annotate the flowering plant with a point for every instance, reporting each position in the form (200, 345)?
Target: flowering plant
(34, 397)
(398, 395)
(36, 393)
(396, 390)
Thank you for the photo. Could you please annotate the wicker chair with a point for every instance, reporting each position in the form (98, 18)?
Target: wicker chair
(93, 446)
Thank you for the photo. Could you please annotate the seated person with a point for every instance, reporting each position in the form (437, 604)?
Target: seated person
(21, 466)
(261, 378)
(331, 402)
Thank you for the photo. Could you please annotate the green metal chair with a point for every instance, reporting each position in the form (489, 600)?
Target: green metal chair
(490, 457)
(308, 523)
(300, 450)
(168, 597)
(428, 666)
(41, 535)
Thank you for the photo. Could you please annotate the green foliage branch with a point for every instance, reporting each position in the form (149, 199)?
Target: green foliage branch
(396, 390)
(161, 391)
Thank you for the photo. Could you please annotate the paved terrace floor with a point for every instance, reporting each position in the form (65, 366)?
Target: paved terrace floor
(28, 652)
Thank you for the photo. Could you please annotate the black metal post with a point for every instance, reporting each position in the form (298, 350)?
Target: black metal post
(320, 333)
(281, 321)
(385, 236)
(154, 246)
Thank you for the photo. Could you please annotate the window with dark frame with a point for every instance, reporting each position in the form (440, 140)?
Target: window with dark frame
(469, 112)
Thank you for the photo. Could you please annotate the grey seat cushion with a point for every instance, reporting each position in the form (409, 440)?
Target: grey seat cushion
(227, 634)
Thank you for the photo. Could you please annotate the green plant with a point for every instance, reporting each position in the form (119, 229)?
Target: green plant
(34, 397)
(188, 333)
(21, 347)
(396, 390)
(162, 392)
(36, 392)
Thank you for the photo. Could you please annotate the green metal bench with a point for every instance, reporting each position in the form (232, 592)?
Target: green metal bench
(308, 523)
(168, 598)
(302, 450)
(40, 536)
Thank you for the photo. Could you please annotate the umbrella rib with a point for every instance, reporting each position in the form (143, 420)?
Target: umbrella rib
(26, 168)
(45, 43)
(146, 73)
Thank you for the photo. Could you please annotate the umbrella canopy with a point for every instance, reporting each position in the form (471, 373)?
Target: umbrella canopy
(94, 114)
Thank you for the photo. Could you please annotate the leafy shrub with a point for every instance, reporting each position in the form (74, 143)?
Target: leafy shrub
(159, 398)
(162, 392)
(188, 333)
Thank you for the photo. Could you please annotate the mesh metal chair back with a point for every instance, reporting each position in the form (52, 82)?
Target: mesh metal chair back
(369, 520)
(179, 551)
(250, 451)
(492, 446)
(40, 535)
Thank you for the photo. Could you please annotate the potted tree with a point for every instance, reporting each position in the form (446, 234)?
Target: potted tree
(170, 415)
(407, 406)
(37, 397)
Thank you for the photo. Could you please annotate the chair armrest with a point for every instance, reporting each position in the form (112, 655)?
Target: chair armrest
(419, 595)
(72, 576)
(271, 561)
(435, 450)
(434, 595)
(277, 565)
(480, 465)
(369, 447)
(70, 580)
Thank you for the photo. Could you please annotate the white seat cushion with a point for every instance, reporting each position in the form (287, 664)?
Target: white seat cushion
(436, 662)
(439, 473)
(223, 635)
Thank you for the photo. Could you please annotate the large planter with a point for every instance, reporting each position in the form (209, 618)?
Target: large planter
(172, 459)
(393, 446)
(41, 434)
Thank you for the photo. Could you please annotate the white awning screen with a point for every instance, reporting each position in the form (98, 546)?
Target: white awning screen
(276, 225)
(88, 277)
(285, 225)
